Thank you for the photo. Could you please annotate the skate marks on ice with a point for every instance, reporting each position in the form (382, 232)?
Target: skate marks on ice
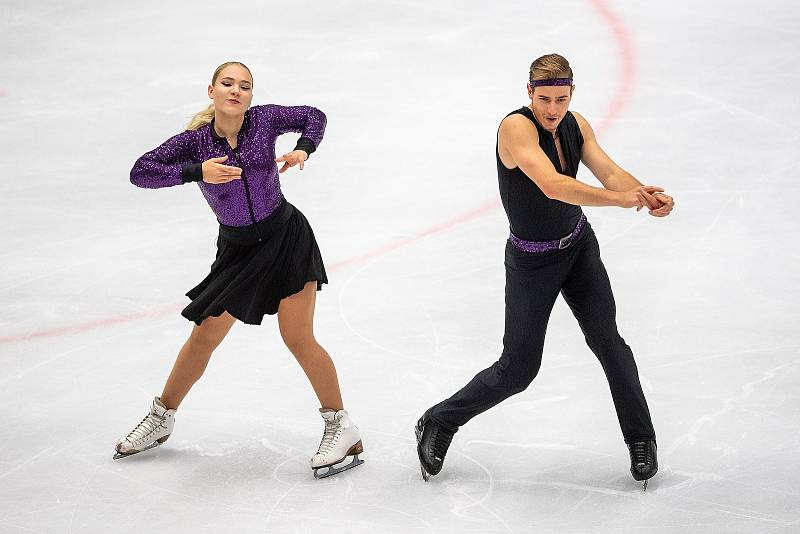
(357, 492)
(453, 485)
(277, 502)
(19, 374)
(137, 481)
(264, 480)
(482, 502)
(209, 450)
(728, 405)
(675, 497)
(348, 324)
(25, 463)
(629, 486)
(418, 343)
(297, 476)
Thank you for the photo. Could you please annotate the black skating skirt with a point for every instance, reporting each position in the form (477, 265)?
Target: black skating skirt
(257, 266)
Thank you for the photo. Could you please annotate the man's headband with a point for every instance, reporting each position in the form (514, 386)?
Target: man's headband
(551, 81)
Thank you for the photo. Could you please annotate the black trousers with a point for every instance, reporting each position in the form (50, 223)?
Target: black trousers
(533, 282)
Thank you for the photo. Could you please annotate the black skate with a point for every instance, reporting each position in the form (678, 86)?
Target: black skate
(432, 442)
(644, 463)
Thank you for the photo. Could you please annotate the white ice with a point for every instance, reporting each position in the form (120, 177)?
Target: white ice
(698, 97)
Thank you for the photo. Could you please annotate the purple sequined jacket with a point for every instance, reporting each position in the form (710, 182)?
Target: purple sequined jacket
(258, 193)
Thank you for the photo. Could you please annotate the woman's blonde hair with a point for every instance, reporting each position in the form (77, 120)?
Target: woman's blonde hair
(550, 66)
(204, 117)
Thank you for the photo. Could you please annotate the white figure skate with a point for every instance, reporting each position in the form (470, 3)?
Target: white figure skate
(340, 441)
(154, 430)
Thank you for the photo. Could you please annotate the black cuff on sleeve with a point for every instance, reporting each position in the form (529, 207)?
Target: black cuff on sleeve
(192, 172)
(306, 145)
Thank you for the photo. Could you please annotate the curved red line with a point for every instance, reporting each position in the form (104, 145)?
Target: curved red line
(626, 80)
(627, 66)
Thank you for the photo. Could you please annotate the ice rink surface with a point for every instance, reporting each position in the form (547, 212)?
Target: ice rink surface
(697, 97)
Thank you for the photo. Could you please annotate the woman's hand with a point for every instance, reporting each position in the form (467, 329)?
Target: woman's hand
(292, 158)
(216, 173)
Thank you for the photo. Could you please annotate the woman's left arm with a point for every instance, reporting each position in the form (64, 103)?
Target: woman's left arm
(307, 120)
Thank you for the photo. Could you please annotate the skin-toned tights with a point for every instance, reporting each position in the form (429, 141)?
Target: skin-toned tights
(295, 321)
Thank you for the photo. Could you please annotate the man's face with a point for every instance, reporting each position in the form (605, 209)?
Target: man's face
(550, 104)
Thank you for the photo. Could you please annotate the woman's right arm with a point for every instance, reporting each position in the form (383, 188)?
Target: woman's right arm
(172, 163)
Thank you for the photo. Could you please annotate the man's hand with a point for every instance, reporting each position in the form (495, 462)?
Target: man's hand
(639, 197)
(665, 207)
(292, 158)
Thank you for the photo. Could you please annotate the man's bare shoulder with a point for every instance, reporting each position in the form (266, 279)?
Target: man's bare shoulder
(518, 125)
(583, 124)
(578, 117)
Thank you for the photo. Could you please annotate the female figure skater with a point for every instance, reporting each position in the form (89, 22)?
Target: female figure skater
(267, 258)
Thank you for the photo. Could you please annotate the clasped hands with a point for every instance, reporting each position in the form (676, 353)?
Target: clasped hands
(657, 202)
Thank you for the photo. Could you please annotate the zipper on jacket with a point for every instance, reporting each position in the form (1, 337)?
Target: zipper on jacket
(247, 193)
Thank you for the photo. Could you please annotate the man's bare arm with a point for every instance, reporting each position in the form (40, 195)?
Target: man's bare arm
(519, 139)
(612, 176)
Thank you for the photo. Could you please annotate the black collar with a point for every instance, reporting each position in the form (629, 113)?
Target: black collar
(242, 130)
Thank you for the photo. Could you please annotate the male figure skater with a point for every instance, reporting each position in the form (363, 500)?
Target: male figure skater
(552, 249)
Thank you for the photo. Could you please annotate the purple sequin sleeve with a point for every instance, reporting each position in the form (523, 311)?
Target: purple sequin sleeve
(307, 120)
(162, 167)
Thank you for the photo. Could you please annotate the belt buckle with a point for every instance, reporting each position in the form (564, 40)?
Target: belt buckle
(564, 242)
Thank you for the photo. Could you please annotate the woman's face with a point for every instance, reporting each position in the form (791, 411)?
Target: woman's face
(233, 90)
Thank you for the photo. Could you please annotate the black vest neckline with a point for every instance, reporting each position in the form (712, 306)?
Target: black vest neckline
(551, 140)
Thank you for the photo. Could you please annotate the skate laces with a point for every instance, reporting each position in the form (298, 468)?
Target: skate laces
(642, 453)
(147, 426)
(440, 441)
(333, 429)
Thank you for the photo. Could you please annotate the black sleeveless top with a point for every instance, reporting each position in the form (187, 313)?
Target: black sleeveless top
(531, 215)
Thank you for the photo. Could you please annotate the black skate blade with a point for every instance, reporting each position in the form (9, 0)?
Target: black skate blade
(425, 475)
(333, 469)
(644, 485)
(119, 455)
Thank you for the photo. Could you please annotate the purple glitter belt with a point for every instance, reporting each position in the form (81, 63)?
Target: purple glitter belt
(546, 246)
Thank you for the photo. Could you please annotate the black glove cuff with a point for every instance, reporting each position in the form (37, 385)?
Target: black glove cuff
(192, 172)
(306, 145)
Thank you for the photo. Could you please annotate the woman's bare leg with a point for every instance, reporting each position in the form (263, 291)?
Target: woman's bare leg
(296, 323)
(193, 358)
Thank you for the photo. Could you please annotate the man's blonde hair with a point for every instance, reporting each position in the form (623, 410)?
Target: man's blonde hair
(550, 66)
